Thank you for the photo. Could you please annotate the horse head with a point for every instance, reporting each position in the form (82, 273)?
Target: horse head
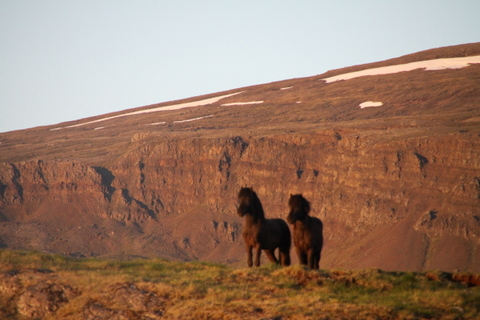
(299, 208)
(249, 203)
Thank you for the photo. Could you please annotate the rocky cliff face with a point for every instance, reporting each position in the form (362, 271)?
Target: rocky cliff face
(396, 190)
(422, 193)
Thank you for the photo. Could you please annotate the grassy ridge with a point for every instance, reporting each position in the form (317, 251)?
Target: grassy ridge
(199, 290)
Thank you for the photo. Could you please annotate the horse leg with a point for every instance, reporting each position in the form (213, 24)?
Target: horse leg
(317, 260)
(302, 257)
(258, 251)
(271, 256)
(249, 256)
(284, 257)
(311, 259)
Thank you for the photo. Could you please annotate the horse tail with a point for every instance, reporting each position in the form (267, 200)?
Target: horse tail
(319, 229)
(286, 236)
(286, 244)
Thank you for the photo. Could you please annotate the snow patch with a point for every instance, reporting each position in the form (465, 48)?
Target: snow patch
(155, 123)
(436, 64)
(286, 88)
(241, 103)
(99, 128)
(193, 119)
(370, 104)
(165, 108)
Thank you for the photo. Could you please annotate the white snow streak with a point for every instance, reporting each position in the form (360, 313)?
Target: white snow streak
(193, 119)
(241, 103)
(166, 108)
(370, 104)
(436, 64)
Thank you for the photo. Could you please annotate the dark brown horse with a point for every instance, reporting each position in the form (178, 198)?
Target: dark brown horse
(261, 233)
(307, 231)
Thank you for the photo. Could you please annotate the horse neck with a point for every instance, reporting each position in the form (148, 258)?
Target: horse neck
(302, 225)
(259, 215)
(304, 220)
(252, 220)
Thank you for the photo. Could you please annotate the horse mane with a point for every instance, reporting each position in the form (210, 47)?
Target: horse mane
(299, 208)
(247, 194)
(298, 202)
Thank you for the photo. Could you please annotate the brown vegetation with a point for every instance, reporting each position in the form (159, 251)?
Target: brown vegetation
(53, 287)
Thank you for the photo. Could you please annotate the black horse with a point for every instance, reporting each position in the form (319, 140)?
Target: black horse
(307, 231)
(261, 233)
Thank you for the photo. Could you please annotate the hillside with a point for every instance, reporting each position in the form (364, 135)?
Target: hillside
(397, 186)
(52, 287)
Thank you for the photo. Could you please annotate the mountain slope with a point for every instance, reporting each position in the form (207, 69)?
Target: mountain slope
(397, 186)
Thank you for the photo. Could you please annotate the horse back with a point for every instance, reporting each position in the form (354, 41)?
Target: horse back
(316, 223)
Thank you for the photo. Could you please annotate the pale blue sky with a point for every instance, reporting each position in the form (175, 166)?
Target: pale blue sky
(65, 60)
